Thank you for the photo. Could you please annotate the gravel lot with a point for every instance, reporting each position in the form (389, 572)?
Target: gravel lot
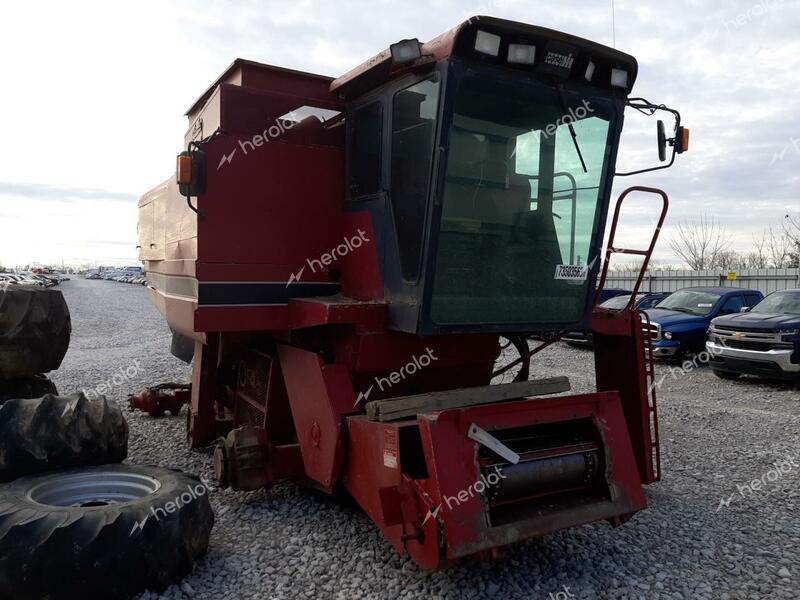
(290, 542)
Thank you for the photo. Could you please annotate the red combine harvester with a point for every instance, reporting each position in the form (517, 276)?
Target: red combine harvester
(344, 259)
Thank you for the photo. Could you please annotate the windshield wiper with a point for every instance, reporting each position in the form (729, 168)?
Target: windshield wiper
(571, 128)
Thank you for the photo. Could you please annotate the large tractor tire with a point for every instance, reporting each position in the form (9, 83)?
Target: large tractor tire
(54, 432)
(100, 532)
(35, 386)
(34, 331)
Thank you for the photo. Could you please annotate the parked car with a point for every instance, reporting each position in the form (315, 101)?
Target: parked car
(120, 275)
(609, 293)
(605, 294)
(762, 341)
(643, 301)
(46, 280)
(21, 279)
(678, 325)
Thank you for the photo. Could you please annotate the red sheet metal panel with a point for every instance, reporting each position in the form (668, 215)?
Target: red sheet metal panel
(361, 273)
(241, 318)
(620, 366)
(318, 394)
(337, 310)
(251, 199)
(374, 478)
(445, 528)
(453, 467)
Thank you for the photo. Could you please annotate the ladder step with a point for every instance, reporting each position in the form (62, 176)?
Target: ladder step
(629, 251)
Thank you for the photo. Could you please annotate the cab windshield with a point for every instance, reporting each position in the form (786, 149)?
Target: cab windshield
(690, 301)
(620, 302)
(521, 203)
(779, 303)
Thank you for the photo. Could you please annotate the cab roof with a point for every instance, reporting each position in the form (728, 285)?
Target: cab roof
(459, 42)
(717, 289)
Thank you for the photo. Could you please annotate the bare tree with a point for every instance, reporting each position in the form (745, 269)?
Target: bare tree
(791, 227)
(631, 265)
(779, 248)
(700, 244)
(754, 260)
(759, 257)
(728, 259)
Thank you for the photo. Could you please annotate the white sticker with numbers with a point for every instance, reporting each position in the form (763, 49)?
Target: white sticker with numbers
(572, 272)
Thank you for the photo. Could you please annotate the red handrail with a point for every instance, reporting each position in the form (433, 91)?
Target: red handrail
(611, 249)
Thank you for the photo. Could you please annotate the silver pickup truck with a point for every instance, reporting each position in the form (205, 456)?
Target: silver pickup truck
(762, 341)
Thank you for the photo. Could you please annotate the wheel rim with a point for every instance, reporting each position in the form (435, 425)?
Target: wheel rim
(92, 489)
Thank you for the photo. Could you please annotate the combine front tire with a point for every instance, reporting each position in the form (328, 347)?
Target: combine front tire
(100, 532)
(54, 432)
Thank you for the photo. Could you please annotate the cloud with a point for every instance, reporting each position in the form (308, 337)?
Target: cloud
(58, 192)
(731, 68)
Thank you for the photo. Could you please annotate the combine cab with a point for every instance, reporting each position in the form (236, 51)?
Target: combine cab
(342, 258)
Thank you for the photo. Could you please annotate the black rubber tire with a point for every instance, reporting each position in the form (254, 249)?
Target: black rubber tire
(101, 551)
(727, 375)
(512, 347)
(35, 328)
(35, 386)
(55, 432)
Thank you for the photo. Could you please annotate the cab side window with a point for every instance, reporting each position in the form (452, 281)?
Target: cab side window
(751, 300)
(733, 304)
(365, 150)
(647, 303)
(414, 113)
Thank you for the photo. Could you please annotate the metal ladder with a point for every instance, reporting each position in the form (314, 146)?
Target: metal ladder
(640, 316)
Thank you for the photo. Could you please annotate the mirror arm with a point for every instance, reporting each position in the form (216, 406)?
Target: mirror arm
(648, 108)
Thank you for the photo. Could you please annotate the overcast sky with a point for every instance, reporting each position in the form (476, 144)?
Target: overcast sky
(94, 96)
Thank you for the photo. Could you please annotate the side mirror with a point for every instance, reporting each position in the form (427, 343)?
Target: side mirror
(662, 141)
(679, 143)
(744, 309)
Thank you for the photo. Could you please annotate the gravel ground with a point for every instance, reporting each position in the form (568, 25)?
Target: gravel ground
(289, 542)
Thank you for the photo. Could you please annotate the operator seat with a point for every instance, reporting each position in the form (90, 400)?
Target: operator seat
(504, 201)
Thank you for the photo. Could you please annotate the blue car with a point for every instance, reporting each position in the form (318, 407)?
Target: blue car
(616, 302)
(763, 341)
(678, 325)
(608, 293)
